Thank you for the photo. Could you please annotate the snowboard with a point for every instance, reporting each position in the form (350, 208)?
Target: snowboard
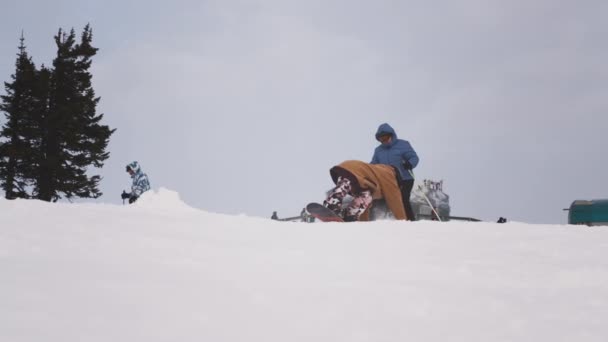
(322, 213)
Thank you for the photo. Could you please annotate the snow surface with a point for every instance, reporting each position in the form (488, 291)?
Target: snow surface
(160, 270)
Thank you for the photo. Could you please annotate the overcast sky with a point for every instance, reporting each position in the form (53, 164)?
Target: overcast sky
(243, 106)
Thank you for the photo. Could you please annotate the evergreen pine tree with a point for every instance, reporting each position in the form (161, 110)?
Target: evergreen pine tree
(73, 137)
(19, 105)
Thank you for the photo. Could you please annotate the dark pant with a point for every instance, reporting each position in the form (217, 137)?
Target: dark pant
(406, 190)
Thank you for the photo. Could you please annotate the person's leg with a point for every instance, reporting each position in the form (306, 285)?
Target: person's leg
(406, 190)
(337, 194)
(358, 206)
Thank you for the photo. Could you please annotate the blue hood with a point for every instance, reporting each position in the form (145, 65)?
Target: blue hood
(386, 128)
(395, 153)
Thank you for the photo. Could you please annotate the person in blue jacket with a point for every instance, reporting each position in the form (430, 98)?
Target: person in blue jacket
(140, 182)
(400, 154)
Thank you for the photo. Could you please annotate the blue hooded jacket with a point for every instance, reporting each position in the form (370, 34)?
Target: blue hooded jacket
(394, 153)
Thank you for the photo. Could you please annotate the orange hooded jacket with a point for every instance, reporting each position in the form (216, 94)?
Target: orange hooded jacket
(379, 179)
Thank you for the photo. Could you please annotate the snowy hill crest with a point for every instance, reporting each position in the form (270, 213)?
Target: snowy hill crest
(160, 270)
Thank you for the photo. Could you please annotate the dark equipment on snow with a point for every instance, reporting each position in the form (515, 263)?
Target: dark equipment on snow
(304, 217)
(124, 196)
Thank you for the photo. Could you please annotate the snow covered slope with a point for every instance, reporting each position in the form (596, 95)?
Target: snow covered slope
(161, 271)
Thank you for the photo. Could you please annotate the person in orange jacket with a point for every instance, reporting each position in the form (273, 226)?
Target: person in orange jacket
(365, 182)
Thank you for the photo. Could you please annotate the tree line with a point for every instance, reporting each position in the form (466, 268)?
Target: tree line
(53, 136)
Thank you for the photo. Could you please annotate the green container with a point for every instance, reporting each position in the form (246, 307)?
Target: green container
(591, 213)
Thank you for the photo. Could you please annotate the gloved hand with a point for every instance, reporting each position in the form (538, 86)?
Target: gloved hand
(407, 165)
(124, 195)
(132, 199)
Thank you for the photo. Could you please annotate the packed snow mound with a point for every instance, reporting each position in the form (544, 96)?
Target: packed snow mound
(162, 199)
(159, 270)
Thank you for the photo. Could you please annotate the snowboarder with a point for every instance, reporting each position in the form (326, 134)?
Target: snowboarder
(140, 183)
(399, 154)
(365, 182)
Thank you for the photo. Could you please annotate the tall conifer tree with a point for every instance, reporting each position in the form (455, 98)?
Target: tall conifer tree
(73, 137)
(19, 106)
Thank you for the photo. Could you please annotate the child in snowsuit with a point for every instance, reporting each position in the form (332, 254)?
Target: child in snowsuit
(140, 182)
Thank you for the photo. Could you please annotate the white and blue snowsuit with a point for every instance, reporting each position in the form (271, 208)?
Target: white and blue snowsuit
(140, 182)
